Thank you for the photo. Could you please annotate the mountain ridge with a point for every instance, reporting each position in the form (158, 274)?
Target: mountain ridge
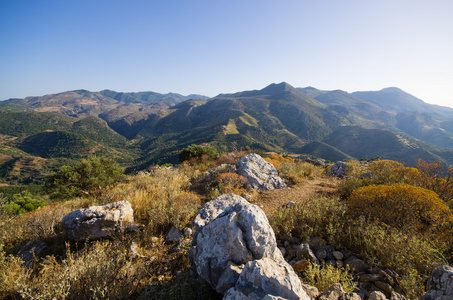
(148, 127)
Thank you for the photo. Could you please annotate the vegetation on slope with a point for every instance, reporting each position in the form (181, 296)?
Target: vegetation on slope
(171, 196)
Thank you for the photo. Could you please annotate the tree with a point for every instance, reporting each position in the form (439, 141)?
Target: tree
(89, 176)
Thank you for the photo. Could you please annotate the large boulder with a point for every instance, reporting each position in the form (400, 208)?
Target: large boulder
(441, 284)
(98, 221)
(234, 249)
(260, 174)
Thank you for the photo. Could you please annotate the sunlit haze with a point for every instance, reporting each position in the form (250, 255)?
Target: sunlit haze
(211, 47)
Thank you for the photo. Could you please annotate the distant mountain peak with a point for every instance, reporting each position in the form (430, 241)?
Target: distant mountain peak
(278, 87)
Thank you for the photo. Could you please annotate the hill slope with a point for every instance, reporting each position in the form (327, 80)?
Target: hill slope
(142, 128)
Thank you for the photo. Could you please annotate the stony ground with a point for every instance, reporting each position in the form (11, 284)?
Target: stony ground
(311, 188)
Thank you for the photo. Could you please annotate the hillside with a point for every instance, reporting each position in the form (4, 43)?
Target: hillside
(143, 128)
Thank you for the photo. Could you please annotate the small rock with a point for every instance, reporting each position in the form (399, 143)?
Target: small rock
(311, 291)
(369, 278)
(303, 251)
(350, 296)
(301, 265)
(174, 234)
(291, 239)
(396, 296)
(357, 265)
(385, 277)
(332, 293)
(187, 231)
(291, 253)
(321, 254)
(385, 287)
(338, 169)
(346, 253)
(247, 196)
(376, 296)
(338, 255)
(30, 250)
(283, 250)
(316, 241)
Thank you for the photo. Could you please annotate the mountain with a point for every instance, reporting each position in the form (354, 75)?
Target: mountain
(397, 100)
(143, 128)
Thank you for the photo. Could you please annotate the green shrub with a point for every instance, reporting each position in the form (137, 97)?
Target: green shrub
(22, 203)
(89, 177)
(197, 152)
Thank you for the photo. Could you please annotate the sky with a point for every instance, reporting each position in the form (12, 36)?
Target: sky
(210, 47)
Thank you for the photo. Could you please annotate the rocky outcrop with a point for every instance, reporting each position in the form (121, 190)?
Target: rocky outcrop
(260, 174)
(98, 221)
(440, 284)
(338, 169)
(234, 249)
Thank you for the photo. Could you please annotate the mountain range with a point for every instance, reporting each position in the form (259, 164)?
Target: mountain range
(38, 134)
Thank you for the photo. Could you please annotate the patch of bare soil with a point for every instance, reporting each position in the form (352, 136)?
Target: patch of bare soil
(269, 201)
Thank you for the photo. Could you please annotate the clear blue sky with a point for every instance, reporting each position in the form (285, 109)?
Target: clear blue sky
(211, 47)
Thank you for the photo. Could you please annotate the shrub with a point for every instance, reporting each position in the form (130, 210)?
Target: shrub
(231, 183)
(11, 269)
(230, 158)
(298, 171)
(277, 161)
(402, 206)
(104, 271)
(410, 254)
(314, 217)
(22, 203)
(322, 277)
(434, 177)
(383, 172)
(89, 177)
(197, 152)
(185, 286)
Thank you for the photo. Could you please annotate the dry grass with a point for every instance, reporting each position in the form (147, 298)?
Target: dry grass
(159, 200)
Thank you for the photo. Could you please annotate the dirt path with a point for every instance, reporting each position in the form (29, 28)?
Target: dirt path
(311, 188)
